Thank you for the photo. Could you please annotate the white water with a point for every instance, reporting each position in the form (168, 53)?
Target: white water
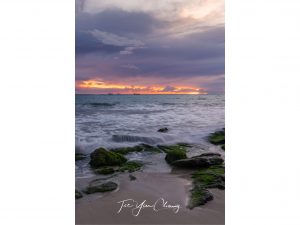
(126, 120)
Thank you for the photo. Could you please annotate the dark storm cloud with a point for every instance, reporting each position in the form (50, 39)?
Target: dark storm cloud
(119, 45)
(118, 22)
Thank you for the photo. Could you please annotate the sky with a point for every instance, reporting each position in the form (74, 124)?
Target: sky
(150, 46)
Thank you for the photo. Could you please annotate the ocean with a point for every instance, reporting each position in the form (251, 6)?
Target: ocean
(112, 121)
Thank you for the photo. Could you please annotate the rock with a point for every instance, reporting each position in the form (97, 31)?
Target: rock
(130, 166)
(199, 196)
(98, 186)
(223, 147)
(184, 144)
(77, 194)
(138, 148)
(163, 130)
(131, 177)
(104, 170)
(174, 152)
(102, 157)
(204, 160)
(217, 138)
(211, 177)
(79, 156)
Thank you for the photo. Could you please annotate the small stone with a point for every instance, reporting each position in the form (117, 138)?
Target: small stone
(163, 130)
(101, 187)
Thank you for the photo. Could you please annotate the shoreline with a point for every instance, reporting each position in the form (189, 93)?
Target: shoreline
(102, 208)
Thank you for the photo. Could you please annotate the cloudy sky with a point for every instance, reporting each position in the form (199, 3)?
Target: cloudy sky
(150, 46)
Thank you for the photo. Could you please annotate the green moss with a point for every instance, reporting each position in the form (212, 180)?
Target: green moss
(217, 138)
(174, 152)
(77, 194)
(138, 148)
(223, 147)
(212, 177)
(108, 186)
(170, 148)
(79, 156)
(184, 144)
(105, 170)
(199, 196)
(130, 166)
(102, 157)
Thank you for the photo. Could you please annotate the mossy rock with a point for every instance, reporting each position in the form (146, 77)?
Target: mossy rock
(79, 156)
(77, 194)
(211, 177)
(130, 166)
(104, 170)
(183, 144)
(138, 148)
(199, 196)
(174, 152)
(202, 161)
(217, 138)
(170, 148)
(163, 130)
(101, 187)
(102, 157)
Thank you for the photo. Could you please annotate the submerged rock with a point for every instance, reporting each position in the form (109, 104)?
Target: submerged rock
(138, 148)
(217, 138)
(163, 130)
(204, 160)
(102, 157)
(98, 186)
(174, 152)
(77, 194)
(79, 156)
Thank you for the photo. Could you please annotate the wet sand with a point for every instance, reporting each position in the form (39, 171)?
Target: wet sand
(102, 208)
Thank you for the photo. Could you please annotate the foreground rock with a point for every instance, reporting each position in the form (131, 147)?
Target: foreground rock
(102, 157)
(99, 186)
(204, 160)
(174, 152)
(199, 196)
(104, 170)
(163, 130)
(211, 177)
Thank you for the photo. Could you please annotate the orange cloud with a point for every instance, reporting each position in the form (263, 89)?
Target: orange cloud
(101, 87)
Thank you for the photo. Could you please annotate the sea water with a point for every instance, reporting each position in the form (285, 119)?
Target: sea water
(112, 121)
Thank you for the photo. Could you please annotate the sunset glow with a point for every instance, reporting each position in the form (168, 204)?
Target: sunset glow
(100, 87)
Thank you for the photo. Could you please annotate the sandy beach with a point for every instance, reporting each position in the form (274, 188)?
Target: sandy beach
(102, 208)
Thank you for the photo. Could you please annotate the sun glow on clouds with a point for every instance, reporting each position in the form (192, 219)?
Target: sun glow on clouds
(100, 87)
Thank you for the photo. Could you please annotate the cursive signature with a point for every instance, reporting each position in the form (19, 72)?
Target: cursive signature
(158, 205)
